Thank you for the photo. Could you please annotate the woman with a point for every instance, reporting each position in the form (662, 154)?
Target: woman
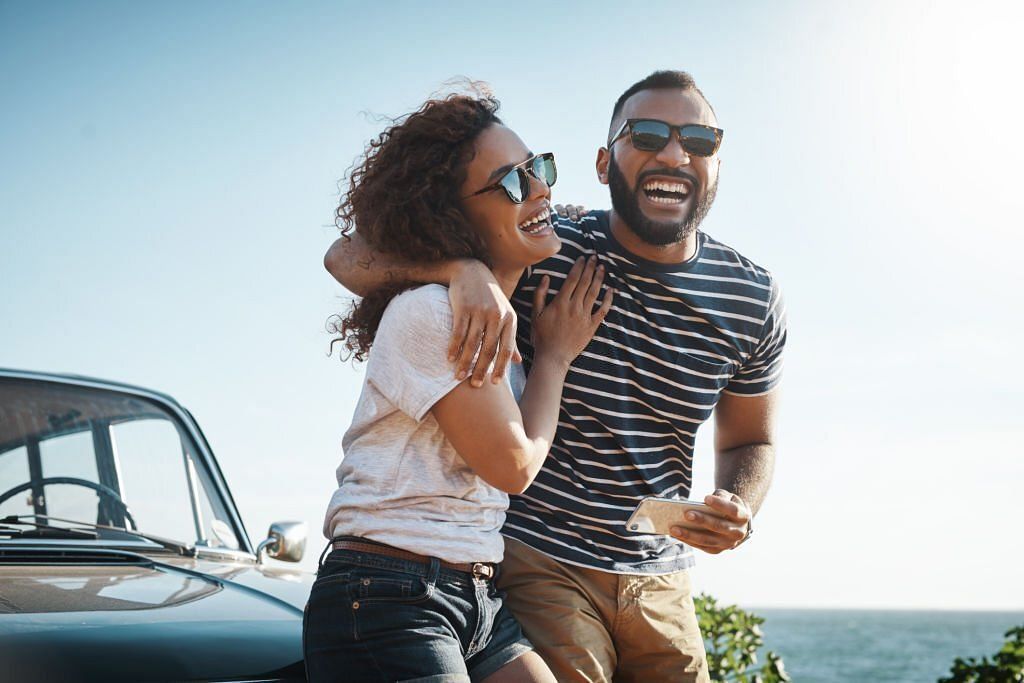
(407, 591)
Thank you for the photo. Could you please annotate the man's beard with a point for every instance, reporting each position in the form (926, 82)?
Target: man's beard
(627, 204)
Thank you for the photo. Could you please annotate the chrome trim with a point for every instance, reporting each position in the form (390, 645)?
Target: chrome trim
(285, 541)
(193, 494)
(266, 545)
(166, 401)
(140, 546)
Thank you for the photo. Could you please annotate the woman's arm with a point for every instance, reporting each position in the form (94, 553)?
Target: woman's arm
(505, 443)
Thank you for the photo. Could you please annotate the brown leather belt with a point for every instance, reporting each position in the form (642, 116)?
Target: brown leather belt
(481, 570)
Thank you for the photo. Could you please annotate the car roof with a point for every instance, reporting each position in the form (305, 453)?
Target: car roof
(71, 378)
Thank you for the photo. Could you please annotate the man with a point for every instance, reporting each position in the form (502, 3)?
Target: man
(695, 328)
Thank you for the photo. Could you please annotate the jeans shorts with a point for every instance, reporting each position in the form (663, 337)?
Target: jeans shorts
(372, 617)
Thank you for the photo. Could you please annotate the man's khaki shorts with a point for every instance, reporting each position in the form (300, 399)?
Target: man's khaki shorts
(590, 625)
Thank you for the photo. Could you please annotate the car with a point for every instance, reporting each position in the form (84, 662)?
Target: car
(123, 556)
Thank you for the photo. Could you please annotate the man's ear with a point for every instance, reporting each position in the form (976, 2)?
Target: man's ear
(603, 157)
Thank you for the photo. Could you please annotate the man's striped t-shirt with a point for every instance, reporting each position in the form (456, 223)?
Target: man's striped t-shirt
(677, 336)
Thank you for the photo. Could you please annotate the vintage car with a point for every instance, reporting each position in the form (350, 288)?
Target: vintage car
(122, 554)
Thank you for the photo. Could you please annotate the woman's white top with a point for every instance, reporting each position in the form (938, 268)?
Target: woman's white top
(400, 481)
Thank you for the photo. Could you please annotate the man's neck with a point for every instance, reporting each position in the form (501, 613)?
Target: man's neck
(677, 252)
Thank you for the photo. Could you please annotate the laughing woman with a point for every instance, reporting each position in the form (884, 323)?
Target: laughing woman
(407, 591)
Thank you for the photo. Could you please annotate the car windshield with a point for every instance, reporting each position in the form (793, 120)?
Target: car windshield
(108, 458)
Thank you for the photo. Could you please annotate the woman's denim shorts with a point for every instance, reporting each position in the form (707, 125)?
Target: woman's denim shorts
(372, 617)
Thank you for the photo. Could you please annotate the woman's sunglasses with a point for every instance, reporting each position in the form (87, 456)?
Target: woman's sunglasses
(651, 135)
(516, 182)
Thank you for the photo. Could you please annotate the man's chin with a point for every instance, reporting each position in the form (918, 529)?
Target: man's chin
(661, 234)
(665, 218)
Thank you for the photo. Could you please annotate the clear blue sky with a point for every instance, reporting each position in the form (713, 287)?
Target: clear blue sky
(168, 174)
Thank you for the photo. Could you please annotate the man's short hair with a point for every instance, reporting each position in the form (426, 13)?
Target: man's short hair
(659, 80)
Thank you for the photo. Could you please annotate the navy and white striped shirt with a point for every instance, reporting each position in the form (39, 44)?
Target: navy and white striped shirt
(676, 337)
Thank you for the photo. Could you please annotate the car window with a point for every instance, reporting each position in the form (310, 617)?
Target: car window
(71, 456)
(154, 482)
(105, 457)
(14, 471)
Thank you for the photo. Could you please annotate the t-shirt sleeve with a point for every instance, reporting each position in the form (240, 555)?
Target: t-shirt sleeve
(762, 371)
(408, 361)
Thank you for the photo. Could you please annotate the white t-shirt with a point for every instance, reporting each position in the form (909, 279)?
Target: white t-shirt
(401, 482)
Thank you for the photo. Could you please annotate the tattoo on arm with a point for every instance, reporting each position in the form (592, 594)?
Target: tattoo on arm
(366, 263)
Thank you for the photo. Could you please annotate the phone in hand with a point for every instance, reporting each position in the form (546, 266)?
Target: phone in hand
(658, 515)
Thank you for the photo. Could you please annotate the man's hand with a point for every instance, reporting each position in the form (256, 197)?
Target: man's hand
(482, 318)
(724, 530)
(571, 211)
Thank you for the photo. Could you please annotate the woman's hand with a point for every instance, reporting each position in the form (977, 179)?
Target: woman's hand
(562, 328)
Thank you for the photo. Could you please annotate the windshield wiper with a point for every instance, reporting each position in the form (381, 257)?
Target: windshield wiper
(43, 530)
(176, 546)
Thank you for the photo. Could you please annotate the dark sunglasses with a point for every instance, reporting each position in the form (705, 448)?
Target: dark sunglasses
(651, 135)
(516, 182)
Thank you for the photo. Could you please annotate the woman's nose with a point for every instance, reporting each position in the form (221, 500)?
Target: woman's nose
(538, 188)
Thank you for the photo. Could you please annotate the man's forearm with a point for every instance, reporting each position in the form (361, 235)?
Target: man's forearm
(360, 269)
(746, 471)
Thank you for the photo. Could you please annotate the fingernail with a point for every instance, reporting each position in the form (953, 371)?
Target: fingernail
(461, 375)
(477, 383)
(691, 516)
(677, 530)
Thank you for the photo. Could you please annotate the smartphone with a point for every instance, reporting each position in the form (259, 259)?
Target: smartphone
(658, 515)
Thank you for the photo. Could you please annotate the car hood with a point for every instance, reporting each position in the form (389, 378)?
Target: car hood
(152, 619)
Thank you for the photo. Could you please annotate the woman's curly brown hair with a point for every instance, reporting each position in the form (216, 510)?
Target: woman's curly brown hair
(404, 196)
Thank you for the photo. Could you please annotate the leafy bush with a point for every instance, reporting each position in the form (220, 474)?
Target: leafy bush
(1007, 666)
(732, 638)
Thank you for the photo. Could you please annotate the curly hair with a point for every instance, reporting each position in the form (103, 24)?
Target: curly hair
(403, 195)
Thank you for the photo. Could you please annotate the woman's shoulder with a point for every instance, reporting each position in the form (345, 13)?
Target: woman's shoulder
(425, 305)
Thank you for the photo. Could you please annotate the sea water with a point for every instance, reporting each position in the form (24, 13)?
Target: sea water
(833, 646)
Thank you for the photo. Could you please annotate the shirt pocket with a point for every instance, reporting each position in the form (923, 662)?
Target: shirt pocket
(700, 380)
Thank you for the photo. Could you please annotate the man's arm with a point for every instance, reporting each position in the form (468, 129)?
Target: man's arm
(361, 270)
(744, 462)
(482, 316)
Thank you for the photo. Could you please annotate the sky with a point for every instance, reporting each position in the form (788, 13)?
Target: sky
(169, 172)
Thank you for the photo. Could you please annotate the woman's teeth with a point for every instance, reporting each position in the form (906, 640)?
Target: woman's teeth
(666, 193)
(536, 224)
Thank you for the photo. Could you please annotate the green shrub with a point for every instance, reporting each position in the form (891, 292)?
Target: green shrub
(732, 638)
(1007, 666)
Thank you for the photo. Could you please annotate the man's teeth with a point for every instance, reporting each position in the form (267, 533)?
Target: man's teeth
(680, 188)
(540, 221)
(674, 193)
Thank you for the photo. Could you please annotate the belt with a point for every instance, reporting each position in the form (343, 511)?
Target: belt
(480, 570)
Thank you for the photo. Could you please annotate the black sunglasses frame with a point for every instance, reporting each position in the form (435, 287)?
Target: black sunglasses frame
(523, 171)
(683, 138)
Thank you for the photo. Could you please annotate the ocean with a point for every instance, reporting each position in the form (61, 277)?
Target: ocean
(844, 646)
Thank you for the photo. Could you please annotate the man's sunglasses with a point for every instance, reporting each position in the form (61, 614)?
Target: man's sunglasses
(651, 135)
(516, 182)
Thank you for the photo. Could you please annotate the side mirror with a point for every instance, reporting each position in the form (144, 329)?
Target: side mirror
(285, 541)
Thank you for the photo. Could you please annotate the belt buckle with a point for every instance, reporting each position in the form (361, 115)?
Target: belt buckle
(482, 569)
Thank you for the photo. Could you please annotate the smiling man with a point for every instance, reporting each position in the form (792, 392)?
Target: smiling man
(695, 329)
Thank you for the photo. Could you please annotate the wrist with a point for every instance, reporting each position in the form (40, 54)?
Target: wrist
(551, 361)
(456, 268)
(750, 532)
